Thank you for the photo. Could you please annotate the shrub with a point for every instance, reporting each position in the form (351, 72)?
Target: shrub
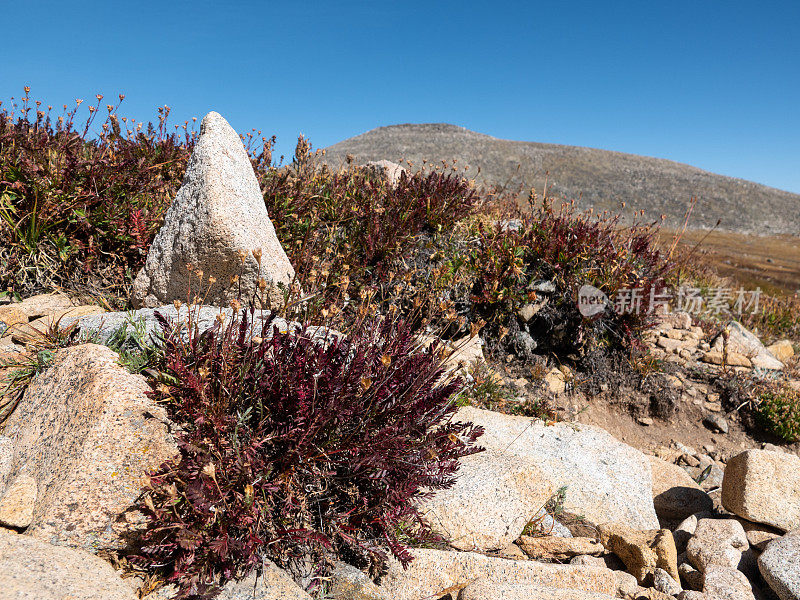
(293, 445)
(566, 249)
(79, 210)
(778, 410)
(352, 226)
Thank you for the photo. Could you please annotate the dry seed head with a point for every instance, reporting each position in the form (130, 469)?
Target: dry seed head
(257, 254)
(212, 280)
(262, 284)
(176, 304)
(235, 305)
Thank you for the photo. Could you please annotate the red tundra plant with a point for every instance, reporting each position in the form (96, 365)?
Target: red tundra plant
(296, 446)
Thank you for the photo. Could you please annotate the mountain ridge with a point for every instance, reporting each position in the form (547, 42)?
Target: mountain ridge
(595, 178)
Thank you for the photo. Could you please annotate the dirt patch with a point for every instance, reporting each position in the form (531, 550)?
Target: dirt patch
(769, 262)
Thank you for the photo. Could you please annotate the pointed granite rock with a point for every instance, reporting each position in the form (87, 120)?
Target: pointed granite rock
(218, 213)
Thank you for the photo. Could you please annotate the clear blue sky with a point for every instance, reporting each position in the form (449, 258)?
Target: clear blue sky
(711, 83)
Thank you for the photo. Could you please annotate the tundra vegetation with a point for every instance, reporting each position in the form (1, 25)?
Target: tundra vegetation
(319, 445)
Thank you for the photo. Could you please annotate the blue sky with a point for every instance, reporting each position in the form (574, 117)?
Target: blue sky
(711, 83)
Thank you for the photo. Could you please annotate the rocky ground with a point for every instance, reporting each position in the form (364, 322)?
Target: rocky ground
(625, 517)
(630, 495)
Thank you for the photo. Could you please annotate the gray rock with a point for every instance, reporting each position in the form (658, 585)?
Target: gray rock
(592, 464)
(764, 487)
(759, 535)
(271, 583)
(627, 585)
(101, 328)
(543, 287)
(495, 495)
(717, 542)
(589, 561)
(348, 583)
(488, 590)
(675, 494)
(386, 168)
(432, 571)
(525, 344)
(87, 432)
(529, 310)
(726, 583)
(692, 595)
(780, 566)
(218, 213)
(665, 583)
(544, 523)
(6, 458)
(686, 528)
(511, 225)
(691, 576)
(17, 502)
(33, 570)
(716, 423)
(742, 341)
(772, 447)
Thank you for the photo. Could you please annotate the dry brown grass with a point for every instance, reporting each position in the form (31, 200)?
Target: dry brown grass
(769, 262)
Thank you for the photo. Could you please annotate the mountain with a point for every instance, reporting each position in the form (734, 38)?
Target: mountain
(594, 178)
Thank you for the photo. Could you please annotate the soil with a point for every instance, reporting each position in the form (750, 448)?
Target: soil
(629, 416)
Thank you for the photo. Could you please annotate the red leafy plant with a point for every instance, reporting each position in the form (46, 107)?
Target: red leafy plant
(568, 249)
(81, 201)
(296, 446)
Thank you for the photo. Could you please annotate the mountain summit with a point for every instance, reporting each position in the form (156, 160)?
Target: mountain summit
(601, 179)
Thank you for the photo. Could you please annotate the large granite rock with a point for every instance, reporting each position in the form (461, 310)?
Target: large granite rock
(218, 213)
(764, 486)
(434, 571)
(558, 548)
(33, 570)
(675, 494)
(641, 551)
(487, 590)
(783, 350)
(17, 502)
(744, 342)
(387, 169)
(495, 495)
(349, 583)
(42, 305)
(272, 583)
(780, 566)
(86, 431)
(101, 328)
(717, 542)
(726, 583)
(606, 480)
(6, 459)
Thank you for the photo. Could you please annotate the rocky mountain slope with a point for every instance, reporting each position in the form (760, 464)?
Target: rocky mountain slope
(596, 178)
